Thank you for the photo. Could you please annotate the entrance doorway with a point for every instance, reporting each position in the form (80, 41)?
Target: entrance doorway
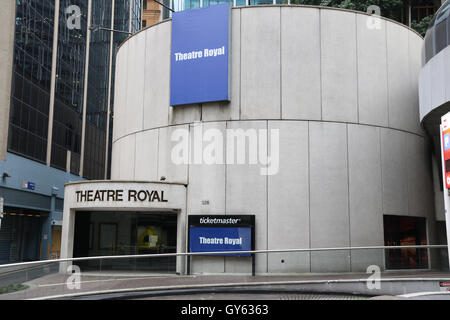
(126, 233)
(405, 231)
(20, 235)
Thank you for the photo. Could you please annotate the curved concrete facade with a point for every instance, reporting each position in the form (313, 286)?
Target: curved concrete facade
(434, 84)
(345, 100)
(434, 94)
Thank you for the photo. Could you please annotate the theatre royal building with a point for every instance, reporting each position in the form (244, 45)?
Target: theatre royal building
(263, 128)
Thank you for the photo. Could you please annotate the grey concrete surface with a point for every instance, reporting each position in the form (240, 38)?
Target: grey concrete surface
(434, 83)
(392, 286)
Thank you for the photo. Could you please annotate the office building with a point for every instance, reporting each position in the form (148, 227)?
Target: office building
(56, 94)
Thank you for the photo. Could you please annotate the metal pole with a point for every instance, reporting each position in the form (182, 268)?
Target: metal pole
(85, 89)
(52, 84)
(96, 28)
(168, 8)
(1, 211)
(108, 113)
(186, 254)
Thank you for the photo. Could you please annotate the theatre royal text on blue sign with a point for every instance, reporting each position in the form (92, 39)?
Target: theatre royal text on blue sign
(220, 239)
(219, 233)
(200, 54)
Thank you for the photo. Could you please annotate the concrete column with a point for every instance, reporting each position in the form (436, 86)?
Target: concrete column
(67, 237)
(7, 18)
(52, 83)
(86, 79)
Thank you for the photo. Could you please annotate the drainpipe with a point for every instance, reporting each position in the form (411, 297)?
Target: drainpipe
(47, 227)
(1, 211)
(51, 217)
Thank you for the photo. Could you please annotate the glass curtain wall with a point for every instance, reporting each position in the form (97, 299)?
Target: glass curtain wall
(31, 77)
(122, 23)
(32, 73)
(70, 66)
(98, 90)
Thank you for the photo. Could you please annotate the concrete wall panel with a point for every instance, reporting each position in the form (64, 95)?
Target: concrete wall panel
(127, 157)
(419, 178)
(365, 194)
(147, 155)
(301, 91)
(434, 82)
(246, 193)
(260, 63)
(403, 101)
(185, 114)
(206, 192)
(173, 172)
(438, 96)
(135, 85)
(372, 73)
(120, 92)
(207, 181)
(394, 172)
(339, 73)
(425, 91)
(288, 198)
(329, 219)
(157, 77)
(415, 64)
(115, 160)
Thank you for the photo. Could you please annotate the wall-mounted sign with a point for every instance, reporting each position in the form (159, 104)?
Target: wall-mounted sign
(446, 148)
(445, 161)
(221, 233)
(200, 55)
(120, 195)
(28, 185)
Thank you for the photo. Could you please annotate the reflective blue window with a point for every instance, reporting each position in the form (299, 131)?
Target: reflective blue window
(191, 4)
(207, 3)
(437, 37)
(256, 2)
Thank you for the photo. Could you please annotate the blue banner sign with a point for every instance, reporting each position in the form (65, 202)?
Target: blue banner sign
(220, 239)
(200, 55)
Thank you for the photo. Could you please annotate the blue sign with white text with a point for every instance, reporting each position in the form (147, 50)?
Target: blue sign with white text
(220, 239)
(200, 55)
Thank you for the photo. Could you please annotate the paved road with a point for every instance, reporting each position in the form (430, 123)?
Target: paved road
(262, 296)
(55, 284)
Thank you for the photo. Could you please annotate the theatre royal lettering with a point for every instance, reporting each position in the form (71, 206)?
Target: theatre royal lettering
(120, 195)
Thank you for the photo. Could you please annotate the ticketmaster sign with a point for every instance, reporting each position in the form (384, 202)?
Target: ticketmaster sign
(200, 55)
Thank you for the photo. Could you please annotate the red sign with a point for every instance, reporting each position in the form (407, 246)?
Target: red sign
(446, 149)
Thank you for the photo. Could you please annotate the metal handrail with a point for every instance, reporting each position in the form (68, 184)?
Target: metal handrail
(187, 254)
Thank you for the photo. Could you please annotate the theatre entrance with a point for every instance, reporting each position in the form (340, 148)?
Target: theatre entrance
(125, 233)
